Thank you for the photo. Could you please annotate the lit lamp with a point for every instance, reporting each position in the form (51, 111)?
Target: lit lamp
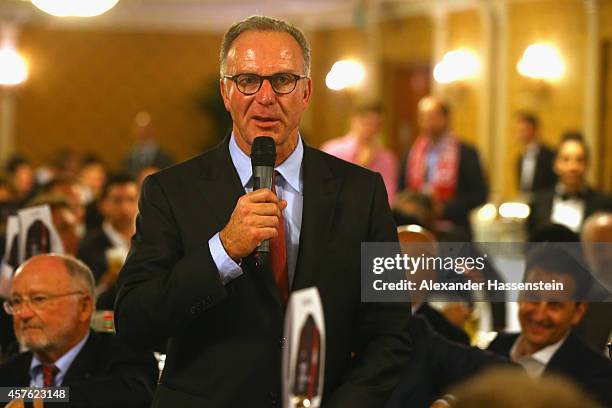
(345, 74)
(13, 68)
(13, 71)
(456, 69)
(541, 65)
(75, 8)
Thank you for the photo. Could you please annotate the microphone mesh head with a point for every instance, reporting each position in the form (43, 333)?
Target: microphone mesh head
(263, 151)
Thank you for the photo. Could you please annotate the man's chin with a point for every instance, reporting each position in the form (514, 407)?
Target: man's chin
(34, 343)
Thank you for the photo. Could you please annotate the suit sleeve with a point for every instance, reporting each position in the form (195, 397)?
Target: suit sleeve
(162, 287)
(382, 345)
(472, 188)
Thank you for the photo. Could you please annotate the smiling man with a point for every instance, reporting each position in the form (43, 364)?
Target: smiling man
(546, 344)
(191, 276)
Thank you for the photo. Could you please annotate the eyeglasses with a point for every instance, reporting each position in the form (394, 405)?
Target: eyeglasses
(35, 302)
(250, 84)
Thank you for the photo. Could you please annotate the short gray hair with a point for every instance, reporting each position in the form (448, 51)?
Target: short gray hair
(263, 23)
(79, 271)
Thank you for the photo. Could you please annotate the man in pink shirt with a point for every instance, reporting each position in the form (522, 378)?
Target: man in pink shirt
(361, 146)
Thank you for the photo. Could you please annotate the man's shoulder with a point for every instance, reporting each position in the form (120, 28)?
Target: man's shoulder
(502, 344)
(95, 238)
(15, 370)
(337, 166)
(584, 355)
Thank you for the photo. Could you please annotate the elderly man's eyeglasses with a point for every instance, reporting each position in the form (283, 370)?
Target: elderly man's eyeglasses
(250, 84)
(35, 302)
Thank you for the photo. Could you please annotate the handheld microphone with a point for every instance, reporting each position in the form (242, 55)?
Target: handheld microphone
(263, 156)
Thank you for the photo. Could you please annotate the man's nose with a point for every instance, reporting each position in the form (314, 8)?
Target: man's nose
(24, 312)
(266, 94)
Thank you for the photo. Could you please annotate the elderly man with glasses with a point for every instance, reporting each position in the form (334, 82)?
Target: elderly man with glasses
(52, 301)
(192, 276)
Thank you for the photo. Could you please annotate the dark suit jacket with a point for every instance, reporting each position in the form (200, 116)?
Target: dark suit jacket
(542, 202)
(105, 374)
(225, 341)
(442, 326)
(92, 251)
(472, 189)
(543, 175)
(436, 365)
(574, 360)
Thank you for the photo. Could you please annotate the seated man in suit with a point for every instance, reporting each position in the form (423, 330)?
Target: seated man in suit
(51, 302)
(546, 343)
(119, 206)
(535, 165)
(571, 200)
(446, 169)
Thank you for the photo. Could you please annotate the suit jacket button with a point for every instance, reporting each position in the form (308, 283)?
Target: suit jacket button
(195, 309)
(282, 342)
(273, 398)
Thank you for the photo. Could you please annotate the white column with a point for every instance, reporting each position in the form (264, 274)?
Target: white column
(591, 86)
(499, 97)
(440, 40)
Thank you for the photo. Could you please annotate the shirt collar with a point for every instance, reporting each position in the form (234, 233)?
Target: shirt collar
(543, 356)
(114, 236)
(63, 363)
(290, 169)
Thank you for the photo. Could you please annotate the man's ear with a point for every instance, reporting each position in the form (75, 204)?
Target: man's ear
(307, 92)
(224, 93)
(581, 308)
(86, 307)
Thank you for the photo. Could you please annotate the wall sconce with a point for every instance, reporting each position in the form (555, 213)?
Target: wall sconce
(457, 66)
(345, 74)
(455, 69)
(541, 62)
(541, 65)
(75, 8)
(13, 67)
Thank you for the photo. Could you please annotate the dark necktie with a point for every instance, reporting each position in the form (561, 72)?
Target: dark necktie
(278, 256)
(49, 372)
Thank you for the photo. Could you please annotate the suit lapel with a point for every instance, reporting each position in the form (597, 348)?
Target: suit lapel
(221, 186)
(320, 195)
(83, 363)
(221, 189)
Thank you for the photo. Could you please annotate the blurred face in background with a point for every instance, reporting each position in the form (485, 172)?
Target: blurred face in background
(266, 113)
(432, 120)
(120, 206)
(571, 165)
(67, 226)
(23, 179)
(545, 322)
(366, 126)
(597, 244)
(74, 194)
(525, 131)
(93, 176)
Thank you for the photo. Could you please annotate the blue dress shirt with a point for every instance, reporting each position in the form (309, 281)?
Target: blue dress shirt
(62, 364)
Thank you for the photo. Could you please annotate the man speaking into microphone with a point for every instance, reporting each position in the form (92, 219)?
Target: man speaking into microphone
(196, 277)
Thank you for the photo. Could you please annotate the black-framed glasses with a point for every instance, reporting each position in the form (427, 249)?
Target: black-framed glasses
(249, 84)
(35, 302)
